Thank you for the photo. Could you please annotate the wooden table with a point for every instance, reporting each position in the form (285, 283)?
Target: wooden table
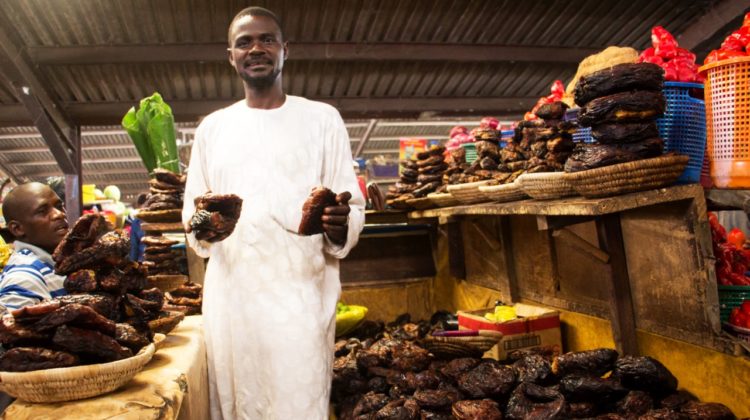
(497, 241)
(173, 385)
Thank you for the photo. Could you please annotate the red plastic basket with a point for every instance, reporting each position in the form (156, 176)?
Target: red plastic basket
(727, 91)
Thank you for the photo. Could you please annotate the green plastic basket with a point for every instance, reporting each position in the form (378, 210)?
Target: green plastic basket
(731, 297)
(471, 152)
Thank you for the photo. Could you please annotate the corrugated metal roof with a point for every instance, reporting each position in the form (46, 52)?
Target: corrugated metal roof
(99, 91)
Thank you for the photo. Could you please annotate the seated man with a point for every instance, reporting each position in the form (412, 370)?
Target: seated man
(35, 216)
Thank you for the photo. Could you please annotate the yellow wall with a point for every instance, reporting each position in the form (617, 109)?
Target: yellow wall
(386, 302)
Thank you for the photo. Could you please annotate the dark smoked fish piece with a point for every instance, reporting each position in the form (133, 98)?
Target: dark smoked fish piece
(26, 359)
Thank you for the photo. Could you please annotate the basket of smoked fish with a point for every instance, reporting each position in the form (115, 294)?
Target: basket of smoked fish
(464, 343)
(95, 338)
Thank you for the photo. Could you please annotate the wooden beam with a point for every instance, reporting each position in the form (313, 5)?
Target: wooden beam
(317, 51)
(365, 138)
(110, 113)
(59, 143)
(44, 112)
(714, 20)
(194, 108)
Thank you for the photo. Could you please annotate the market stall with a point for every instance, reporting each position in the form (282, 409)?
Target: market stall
(574, 247)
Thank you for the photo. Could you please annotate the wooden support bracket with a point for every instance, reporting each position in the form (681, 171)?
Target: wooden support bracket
(559, 222)
(581, 244)
(622, 314)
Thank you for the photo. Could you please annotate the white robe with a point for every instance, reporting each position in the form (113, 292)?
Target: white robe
(270, 295)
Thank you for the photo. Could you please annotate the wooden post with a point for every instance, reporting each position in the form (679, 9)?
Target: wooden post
(506, 237)
(622, 314)
(73, 198)
(456, 255)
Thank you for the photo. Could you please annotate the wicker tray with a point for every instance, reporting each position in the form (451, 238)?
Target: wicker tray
(74, 383)
(473, 346)
(167, 282)
(400, 203)
(468, 193)
(422, 203)
(443, 199)
(159, 340)
(160, 216)
(623, 178)
(546, 185)
(504, 193)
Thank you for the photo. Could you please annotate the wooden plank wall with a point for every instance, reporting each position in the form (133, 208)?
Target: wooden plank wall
(669, 264)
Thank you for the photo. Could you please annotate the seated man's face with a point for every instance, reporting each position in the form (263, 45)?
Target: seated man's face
(42, 221)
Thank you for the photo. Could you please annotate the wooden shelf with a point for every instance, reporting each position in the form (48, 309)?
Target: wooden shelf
(385, 217)
(573, 206)
(648, 256)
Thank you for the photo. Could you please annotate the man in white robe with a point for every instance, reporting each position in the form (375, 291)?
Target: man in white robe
(270, 294)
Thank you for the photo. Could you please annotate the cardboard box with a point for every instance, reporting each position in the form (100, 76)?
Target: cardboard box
(535, 327)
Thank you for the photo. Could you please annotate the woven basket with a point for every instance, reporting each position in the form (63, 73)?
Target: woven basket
(160, 216)
(623, 178)
(74, 383)
(443, 199)
(503, 193)
(546, 185)
(399, 204)
(167, 282)
(422, 203)
(159, 340)
(472, 346)
(468, 193)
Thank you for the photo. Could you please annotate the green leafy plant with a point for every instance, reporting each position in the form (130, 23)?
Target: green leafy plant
(151, 127)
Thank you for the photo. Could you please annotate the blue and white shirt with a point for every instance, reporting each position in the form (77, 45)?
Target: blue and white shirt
(29, 277)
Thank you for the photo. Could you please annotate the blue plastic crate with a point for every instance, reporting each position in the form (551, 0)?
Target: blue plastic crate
(683, 127)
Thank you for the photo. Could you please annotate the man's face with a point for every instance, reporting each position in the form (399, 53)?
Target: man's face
(257, 51)
(42, 221)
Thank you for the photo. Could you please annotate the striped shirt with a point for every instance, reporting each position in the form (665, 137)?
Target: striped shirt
(29, 277)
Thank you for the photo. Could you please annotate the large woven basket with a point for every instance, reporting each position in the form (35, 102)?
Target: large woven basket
(167, 282)
(74, 383)
(443, 199)
(623, 178)
(422, 203)
(546, 185)
(468, 193)
(472, 346)
(504, 193)
(160, 216)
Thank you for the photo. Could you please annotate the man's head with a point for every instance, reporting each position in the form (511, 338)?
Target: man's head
(257, 49)
(35, 214)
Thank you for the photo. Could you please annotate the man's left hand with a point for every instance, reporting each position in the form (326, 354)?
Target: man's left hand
(336, 219)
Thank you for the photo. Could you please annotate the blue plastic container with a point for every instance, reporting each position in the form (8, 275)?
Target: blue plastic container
(582, 134)
(683, 127)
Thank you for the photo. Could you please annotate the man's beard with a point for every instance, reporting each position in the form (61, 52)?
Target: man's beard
(261, 82)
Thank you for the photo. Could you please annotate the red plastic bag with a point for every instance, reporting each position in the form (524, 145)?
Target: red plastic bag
(665, 45)
(737, 40)
(489, 122)
(719, 55)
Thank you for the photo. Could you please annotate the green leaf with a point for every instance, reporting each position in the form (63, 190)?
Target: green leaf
(162, 136)
(138, 136)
